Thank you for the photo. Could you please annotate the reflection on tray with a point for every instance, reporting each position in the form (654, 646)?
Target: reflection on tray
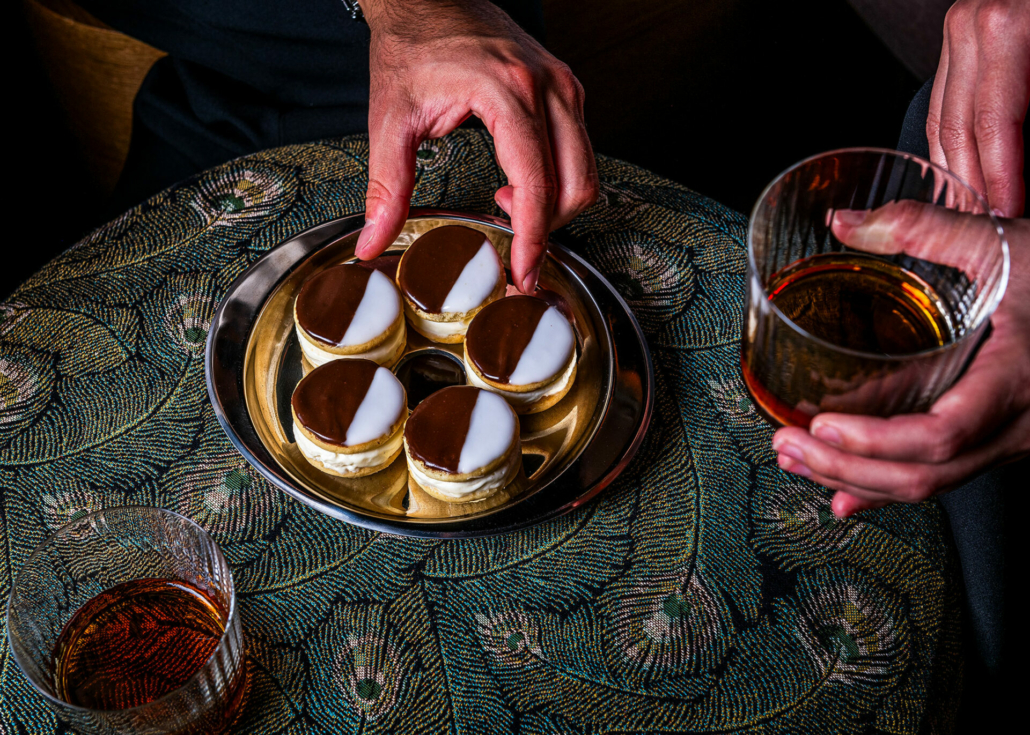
(545, 437)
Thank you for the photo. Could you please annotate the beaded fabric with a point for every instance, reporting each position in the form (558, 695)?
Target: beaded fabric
(704, 591)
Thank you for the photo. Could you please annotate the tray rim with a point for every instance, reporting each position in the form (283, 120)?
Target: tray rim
(308, 242)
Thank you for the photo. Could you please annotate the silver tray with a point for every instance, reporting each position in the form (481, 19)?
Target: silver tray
(570, 451)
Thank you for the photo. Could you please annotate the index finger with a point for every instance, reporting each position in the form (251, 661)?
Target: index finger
(393, 141)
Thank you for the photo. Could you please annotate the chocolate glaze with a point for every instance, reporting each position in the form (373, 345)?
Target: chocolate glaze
(326, 400)
(555, 299)
(498, 335)
(327, 301)
(433, 263)
(436, 430)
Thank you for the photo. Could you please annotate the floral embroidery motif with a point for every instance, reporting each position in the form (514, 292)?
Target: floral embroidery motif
(622, 203)
(432, 154)
(17, 387)
(189, 322)
(672, 623)
(797, 512)
(655, 286)
(367, 674)
(234, 197)
(60, 509)
(847, 633)
(11, 313)
(224, 495)
(733, 402)
(511, 638)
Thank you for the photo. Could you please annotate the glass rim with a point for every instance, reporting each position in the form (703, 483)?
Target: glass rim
(164, 697)
(988, 310)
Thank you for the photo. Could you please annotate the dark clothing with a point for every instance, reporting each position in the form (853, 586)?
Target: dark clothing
(242, 76)
(986, 518)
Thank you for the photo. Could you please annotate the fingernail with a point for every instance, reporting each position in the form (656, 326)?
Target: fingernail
(794, 467)
(363, 239)
(997, 212)
(839, 506)
(800, 469)
(791, 451)
(828, 434)
(851, 217)
(529, 282)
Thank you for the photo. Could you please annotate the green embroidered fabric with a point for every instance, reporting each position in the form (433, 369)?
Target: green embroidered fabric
(706, 591)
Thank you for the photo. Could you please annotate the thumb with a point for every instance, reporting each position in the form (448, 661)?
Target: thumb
(504, 197)
(391, 180)
(845, 505)
(926, 231)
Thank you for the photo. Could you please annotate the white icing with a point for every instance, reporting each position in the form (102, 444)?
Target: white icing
(381, 354)
(457, 489)
(348, 463)
(490, 433)
(379, 410)
(476, 282)
(436, 329)
(521, 400)
(379, 307)
(548, 349)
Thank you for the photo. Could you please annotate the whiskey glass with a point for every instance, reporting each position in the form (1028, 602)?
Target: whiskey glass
(97, 553)
(878, 331)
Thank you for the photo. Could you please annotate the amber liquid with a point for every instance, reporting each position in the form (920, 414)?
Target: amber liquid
(852, 301)
(861, 303)
(135, 643)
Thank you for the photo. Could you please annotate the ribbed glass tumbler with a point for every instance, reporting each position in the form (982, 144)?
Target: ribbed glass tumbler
(872, 276)
(125, 621)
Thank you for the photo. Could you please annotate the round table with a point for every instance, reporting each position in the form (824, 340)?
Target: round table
(705, 591)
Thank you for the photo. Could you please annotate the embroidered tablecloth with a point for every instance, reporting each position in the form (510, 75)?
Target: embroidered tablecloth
(705, 591)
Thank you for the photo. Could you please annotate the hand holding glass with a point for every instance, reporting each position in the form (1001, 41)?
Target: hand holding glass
(838, 319)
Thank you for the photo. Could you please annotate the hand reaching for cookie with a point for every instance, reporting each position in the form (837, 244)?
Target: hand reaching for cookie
(435, 64)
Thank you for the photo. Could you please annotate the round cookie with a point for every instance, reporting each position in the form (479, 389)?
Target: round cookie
(462, 444)
(524, 350)
(348, 417)
(446, 276)
(349, 312)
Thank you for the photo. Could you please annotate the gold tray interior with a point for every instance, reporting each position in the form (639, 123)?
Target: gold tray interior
(551, 440)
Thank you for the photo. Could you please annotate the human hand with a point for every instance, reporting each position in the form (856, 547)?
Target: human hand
(982, 421)
(980, 97)
(433, 65)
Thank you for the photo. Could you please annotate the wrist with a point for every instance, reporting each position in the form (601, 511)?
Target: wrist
(381, 13)
(411, 16)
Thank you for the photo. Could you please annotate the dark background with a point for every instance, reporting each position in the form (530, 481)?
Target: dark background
(719, 95)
